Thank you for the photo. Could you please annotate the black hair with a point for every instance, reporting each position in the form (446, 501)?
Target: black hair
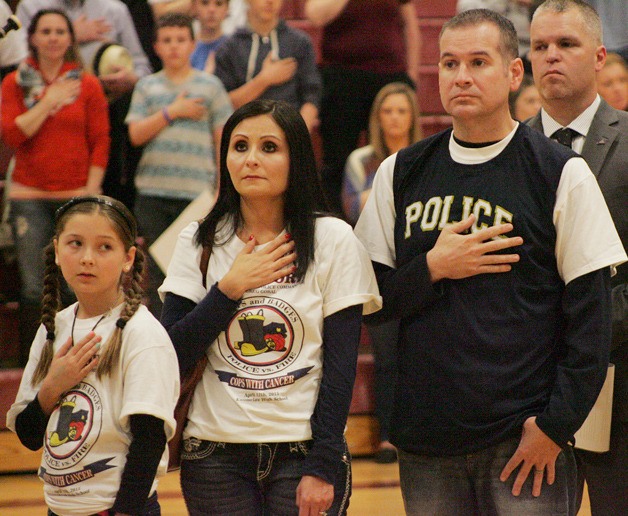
(303, 199)
(509, 45)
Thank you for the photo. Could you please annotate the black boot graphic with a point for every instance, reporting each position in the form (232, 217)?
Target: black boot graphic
(60, 435)
(255, 344)
(244, 326)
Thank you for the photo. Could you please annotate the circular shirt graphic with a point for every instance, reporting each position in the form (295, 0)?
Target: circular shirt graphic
(70, 426)
(265, 333)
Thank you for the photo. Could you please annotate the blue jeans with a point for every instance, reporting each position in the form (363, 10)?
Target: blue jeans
(470, 485)
(251, 479)
(33, 223)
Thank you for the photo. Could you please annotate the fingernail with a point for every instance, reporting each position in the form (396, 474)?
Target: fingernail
(251, 237)
(288, 236)
(97, 345)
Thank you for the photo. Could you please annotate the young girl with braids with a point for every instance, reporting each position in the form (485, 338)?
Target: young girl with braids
(102, 378)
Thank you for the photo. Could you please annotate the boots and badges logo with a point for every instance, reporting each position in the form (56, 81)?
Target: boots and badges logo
(263, 338)
(73, 429)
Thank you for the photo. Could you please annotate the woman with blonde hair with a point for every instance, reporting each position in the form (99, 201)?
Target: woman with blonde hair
(393, 125)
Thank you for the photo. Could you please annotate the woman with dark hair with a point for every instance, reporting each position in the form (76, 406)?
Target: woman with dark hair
(279, 322)
(55, 117)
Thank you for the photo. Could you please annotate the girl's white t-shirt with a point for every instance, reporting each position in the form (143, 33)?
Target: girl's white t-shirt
(88, 433)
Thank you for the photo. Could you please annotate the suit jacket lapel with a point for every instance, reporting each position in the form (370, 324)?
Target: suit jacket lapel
(602, 134)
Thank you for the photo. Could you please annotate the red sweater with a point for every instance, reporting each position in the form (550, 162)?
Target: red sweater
(59, 155)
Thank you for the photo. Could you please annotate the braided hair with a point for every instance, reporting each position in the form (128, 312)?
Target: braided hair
(125, 227)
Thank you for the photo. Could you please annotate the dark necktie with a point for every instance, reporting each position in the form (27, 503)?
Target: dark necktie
(565, 136)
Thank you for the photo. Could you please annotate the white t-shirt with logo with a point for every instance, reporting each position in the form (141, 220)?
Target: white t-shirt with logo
(88, 434)
(265, 369)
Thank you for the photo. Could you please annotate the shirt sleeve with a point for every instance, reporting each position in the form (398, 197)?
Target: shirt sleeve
(138, 110)
(27, 392)
(147, 446)
(226, 69)
(341, 336)
(151, 373)
(308, 77)
(25, 12)
(192, 327)
(12, 107)
(353, 184)
(184, 274)
(220, 108)
(344, 272)
(582, 368)
(13, 48)
(376, 225)
(30, 425)
(586, 238)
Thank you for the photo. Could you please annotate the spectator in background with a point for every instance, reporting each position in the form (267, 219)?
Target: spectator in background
(526, 101)
(177, 114)
(13, 48)
(567, 56)
(366, 44)
(235, 19)
(95, 23)
(55, 117)
(612, 81)
(144, 22)
(210, 15)
(393, 125)
(270, 60)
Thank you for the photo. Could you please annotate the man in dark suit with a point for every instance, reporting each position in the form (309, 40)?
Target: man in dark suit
(566, 54)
